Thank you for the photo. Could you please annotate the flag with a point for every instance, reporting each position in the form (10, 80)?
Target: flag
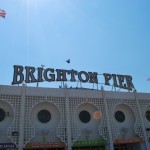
(2, 13)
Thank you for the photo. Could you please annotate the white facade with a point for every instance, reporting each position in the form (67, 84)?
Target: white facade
(21, 105)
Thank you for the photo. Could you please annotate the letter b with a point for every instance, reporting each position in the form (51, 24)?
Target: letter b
(18, 73)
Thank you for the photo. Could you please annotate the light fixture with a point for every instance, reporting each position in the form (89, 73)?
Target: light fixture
(15, 133)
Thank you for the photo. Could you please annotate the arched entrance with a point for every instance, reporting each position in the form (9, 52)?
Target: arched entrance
(87, 118)
(126, 139)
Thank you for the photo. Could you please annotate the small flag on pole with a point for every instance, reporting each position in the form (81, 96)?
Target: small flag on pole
(2, 13)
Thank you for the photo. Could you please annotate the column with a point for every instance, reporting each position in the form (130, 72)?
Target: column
(142, 122)
(68, 119)
(21, 124)
(111, 145)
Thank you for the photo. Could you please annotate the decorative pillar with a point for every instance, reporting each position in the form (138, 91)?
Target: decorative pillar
(69, 145)
(142, 122)
(21, 124)
(111, 145)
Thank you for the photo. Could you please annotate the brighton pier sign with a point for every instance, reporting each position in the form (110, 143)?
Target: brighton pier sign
(30, 74)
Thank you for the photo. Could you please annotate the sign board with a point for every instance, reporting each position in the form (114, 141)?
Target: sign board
(89, 143)
(7, 146)
(30, 74)
(125, 141)
(45, 145)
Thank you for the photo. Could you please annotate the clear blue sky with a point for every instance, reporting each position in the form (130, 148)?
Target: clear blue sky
(97, 35)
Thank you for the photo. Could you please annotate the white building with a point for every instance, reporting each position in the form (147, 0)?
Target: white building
(64, 118)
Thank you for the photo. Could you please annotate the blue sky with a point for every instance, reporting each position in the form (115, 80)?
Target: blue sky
(97, 35)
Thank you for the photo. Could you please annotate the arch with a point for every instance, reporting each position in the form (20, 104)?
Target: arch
(125, 126)
(6, 122)
(45, 131)
(89, 130)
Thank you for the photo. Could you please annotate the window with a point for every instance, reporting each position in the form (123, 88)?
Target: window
(84, 116)
(2, 114)
(44, 116)
(119, 116)
(148, 115)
